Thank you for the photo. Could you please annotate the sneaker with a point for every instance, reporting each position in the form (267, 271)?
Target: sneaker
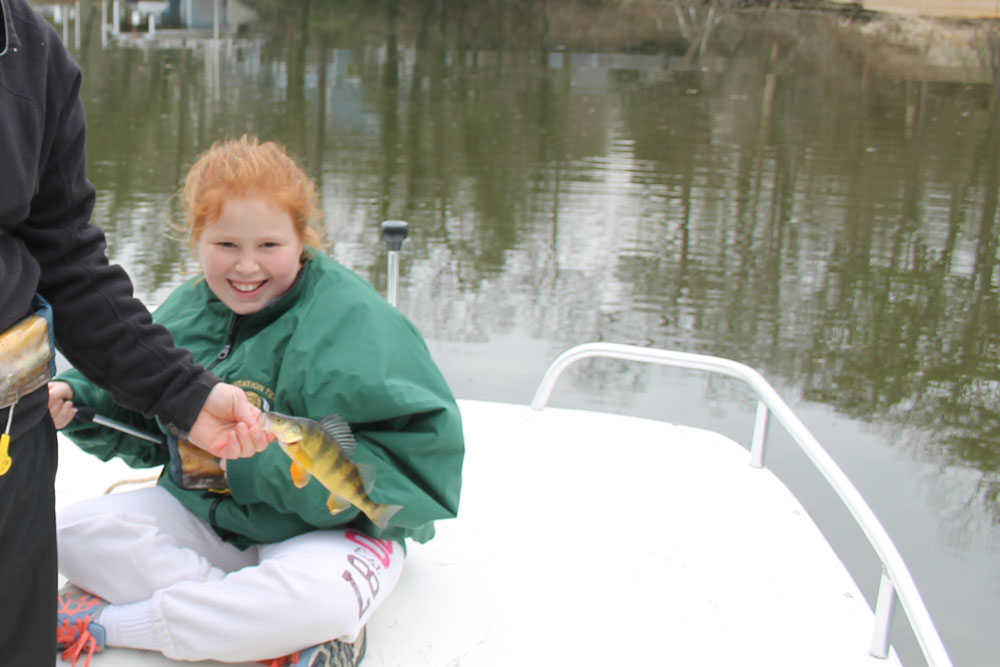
(76, 631)
(333, 653)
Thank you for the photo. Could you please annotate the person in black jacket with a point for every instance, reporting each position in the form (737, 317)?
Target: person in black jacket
(49, 249)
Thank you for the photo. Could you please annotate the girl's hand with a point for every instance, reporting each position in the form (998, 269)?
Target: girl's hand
(61, 404)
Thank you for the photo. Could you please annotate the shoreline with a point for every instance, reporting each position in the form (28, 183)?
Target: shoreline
(938, 9)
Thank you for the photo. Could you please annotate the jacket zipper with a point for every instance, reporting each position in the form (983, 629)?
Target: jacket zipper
(234, 324)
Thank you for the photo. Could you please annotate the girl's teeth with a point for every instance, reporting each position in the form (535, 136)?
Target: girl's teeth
(244, 287)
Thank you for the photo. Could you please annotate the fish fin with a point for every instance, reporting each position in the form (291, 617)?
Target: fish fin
(338, 429)
(367, 473)
(336, 504)
(300, 476)
(382, 513)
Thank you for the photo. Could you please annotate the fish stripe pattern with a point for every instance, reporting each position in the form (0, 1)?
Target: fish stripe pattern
(322, 450)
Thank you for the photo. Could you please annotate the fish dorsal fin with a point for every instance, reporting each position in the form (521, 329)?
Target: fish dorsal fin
(338, 429)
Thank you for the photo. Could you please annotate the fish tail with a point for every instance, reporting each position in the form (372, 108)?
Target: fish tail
(380, 514)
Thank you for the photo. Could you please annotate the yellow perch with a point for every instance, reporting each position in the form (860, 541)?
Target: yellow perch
(323, 450)
(25, 354)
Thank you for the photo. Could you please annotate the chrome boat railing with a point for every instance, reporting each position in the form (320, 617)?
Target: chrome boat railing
(896, 581)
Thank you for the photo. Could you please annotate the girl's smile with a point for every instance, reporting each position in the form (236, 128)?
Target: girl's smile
(250, 254)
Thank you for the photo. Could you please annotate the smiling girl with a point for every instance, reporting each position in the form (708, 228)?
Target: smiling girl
(263, 568)
(251, 254)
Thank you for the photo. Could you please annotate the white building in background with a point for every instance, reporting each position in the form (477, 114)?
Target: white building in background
(199, 14)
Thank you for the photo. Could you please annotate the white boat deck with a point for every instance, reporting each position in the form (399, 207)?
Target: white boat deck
(589, 539)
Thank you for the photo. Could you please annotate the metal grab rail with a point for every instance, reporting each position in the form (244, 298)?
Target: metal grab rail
(896, 580)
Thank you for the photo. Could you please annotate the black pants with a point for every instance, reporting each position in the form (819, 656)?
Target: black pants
(28, 560)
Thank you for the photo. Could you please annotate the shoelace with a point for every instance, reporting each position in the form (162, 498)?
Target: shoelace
(84, 642)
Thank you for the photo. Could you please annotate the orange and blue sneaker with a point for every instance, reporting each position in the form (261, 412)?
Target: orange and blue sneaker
(333, 653)
(76, 631)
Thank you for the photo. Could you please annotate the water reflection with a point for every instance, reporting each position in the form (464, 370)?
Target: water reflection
(836, 227)
(753, 186)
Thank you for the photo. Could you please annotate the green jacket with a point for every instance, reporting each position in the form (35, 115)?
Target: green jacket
(330, 345)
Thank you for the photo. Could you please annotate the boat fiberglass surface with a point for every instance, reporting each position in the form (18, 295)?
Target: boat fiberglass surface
(592, 538)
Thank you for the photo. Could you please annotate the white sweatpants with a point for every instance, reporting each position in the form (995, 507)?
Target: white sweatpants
(199, 598)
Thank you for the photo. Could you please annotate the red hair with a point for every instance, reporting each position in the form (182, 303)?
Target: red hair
(244, 167)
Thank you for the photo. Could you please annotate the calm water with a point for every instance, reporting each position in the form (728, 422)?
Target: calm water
(778, 200)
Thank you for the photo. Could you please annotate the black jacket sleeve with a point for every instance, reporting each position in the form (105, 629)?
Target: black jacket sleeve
(99, 326)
